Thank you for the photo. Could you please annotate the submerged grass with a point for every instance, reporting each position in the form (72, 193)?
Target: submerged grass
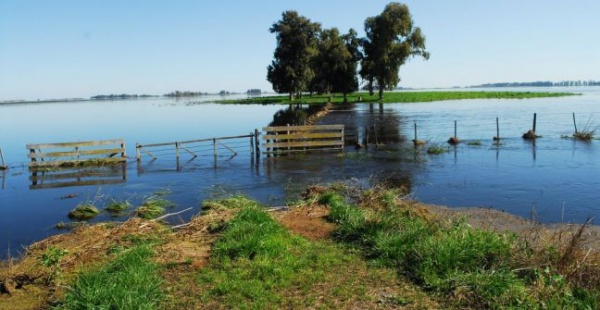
(400, 97)
(130, 281)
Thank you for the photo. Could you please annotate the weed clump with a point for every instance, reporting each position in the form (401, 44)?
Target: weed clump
(118, 206)
(153, 208)
(83, 212)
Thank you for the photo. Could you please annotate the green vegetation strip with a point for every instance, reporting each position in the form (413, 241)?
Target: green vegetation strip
(401, 97)
(130, 281)
(258, 264)
(475, 267)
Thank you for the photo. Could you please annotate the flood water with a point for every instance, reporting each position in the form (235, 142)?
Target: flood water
(552, 179)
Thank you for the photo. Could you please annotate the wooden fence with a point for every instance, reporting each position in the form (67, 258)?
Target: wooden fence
(290, 139)
(77, 153)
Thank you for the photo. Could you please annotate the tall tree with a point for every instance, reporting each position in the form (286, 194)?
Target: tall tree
(390, 40)
(336, 62)
(291, 71)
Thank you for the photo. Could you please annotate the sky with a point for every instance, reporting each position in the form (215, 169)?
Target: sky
(74, 48)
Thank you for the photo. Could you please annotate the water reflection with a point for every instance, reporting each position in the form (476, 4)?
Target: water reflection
(77, 176)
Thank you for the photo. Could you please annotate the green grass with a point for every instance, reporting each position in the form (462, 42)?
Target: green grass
(130, 281)
(473, 266)
(115, 206)
(401, 97)
(258, 264)
(437, 149)
(153, 208)
(84, 211)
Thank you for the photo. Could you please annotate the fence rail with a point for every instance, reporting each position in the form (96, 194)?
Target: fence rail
(290, 139)
(194, 147)
(76, 153)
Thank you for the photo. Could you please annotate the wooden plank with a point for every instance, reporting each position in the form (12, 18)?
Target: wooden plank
(303, 135)
(283, 152)
(310, 128)
(303, 144)
(76, 153)
(56, 163)
(75, 144)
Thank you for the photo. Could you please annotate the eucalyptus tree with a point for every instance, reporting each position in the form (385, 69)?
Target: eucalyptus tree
(291, 70)
(336, 62)
(391, 39)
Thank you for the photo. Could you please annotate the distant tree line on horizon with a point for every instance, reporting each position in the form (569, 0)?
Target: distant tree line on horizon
(310, 59)
(120, 96)
(178, 93)
(540, 84)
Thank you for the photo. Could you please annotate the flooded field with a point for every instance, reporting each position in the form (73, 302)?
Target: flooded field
(552, 179)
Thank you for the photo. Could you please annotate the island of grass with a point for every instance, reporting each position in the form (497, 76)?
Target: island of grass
(400, 97)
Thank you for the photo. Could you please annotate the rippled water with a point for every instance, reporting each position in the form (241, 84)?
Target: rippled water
(555, 179)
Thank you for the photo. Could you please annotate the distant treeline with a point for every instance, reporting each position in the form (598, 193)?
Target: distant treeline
(178, 93)
(541, 84)
(121, 96)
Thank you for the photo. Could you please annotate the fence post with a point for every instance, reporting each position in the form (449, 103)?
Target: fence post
(3, 166)
(574, 123)
(256, 142)
(497, 137)
(137, 152)
(534, 121)
(177, 151)
(215, 146)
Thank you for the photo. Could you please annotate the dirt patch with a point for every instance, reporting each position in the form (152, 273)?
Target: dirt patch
(307, 221)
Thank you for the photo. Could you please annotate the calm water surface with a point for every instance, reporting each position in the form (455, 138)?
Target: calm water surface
(556, 179)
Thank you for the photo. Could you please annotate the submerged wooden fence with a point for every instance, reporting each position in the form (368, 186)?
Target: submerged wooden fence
(76, 153)
(290, 139)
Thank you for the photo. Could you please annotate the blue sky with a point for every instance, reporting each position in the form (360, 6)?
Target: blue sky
(60, 48)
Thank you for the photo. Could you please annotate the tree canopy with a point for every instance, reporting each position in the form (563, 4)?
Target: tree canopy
(308, 58)
(390, 40)
(291, 70)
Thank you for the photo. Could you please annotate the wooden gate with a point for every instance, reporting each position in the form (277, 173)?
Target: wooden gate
(290, 139)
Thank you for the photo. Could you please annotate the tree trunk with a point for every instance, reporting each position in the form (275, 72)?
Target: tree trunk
(380, 93)
(345, 97)
(291, 96)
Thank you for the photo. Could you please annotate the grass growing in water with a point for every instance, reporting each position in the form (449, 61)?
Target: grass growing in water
(117, 206)
(437, 150)
(153, 208)
(130, 281)
(83, 211)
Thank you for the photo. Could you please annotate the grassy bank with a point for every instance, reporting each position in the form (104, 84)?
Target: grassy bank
(340, 248)
(401, 97)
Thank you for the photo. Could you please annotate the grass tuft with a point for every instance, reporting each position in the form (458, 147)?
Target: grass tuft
(130, 281)
(153, 208)
(83, 211)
